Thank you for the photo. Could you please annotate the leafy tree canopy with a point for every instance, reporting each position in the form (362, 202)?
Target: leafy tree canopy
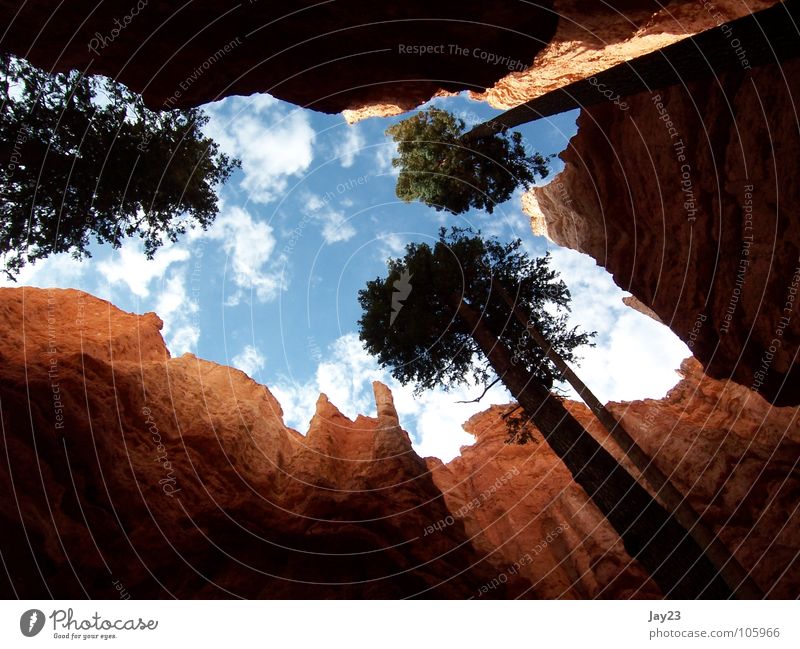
(83, 158)
(444, 170)
(424, 342)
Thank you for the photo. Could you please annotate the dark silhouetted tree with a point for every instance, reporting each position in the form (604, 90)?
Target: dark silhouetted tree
(453, 328)
(446, 171)
(82, 159)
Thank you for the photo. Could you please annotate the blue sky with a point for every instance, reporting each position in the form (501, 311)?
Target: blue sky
(271, 287)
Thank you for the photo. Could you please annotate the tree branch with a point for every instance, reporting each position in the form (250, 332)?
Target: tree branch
(483, 394)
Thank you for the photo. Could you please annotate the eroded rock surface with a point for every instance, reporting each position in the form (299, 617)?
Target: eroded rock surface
(689, 200)
(592, 37)
(348, 55)
(328, 56)
(177, 476)
(736, 457)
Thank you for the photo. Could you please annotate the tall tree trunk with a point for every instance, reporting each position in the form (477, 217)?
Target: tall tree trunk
(736, 577)
(650, 534)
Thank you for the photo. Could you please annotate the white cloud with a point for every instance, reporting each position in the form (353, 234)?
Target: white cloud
(314, 202)
(181, 329)
(249, 245)
(383, 158)
(298, 401)
(392, 245)
(61, 270)
(250, 360)
(272, 142)
(635, 357)
(349, 146)
(335, 226)
(183, 339)
(128, 265)
(173, 296)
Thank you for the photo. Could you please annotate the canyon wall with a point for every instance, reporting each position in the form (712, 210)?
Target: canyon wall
(348, 55)
(689, 199)
(592, 37)
(327, 56)
(736, 458)
(733, 455)
(177, 477)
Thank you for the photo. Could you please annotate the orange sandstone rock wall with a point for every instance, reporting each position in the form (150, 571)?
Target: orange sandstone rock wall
(736, 458)
(592, 37)
(327, 56)
(733, 455)
(177, 476)
(346, 55)
(520, 502)
(689, 199)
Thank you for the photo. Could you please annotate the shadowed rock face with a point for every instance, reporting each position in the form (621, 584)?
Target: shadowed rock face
(730, 452)
(177, 476)
(736, 458)
(328, 56)
(345, 55)
(698, 222)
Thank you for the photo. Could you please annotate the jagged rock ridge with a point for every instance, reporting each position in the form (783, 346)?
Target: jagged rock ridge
(177, 476)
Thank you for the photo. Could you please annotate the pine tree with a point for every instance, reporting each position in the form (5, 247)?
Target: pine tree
(440, 168)
(83, 159)
(454, 329)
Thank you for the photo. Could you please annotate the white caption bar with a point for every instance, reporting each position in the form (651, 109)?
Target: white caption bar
(371, 624)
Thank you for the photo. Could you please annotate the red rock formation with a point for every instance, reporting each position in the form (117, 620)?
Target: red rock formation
(736, 458)
(345, 55)
(635, 304)
(733, 454)
(698, 222)
(592, 37)
(520, 502)
(177, 476)
(328, 56)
